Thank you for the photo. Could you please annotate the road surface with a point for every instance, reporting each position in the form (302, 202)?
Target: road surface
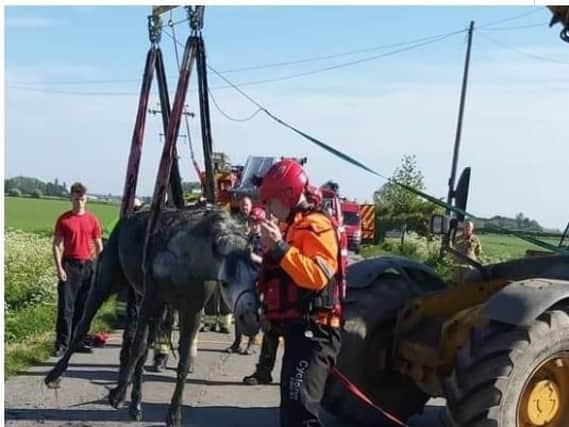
(214, 395)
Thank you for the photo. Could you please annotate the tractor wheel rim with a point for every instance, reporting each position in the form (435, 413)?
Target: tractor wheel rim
(545, 398)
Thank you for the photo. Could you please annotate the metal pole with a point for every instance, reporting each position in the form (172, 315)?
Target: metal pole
(565, 235)
(460, 116)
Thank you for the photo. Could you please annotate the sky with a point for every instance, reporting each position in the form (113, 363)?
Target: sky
(72, 77)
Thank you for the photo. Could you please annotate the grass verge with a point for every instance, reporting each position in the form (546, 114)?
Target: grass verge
(31, 333)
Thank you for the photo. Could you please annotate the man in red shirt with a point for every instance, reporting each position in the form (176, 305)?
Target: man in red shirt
(75, 233)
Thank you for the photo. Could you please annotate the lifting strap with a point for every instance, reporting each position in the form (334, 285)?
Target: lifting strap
(154, 62)
(193, 51)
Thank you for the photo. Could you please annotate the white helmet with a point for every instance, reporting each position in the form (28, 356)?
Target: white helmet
(137, 203)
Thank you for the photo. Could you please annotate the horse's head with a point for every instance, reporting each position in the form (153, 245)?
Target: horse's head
(238, 278)
(237, 274)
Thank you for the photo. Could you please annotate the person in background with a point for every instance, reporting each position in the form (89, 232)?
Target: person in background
(468, 244)
(76, 231)
(245, 207)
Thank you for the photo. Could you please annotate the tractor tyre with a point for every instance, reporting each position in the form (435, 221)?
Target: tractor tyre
(367, 338)
(513, 376)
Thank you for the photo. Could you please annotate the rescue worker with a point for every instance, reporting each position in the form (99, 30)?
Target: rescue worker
(162, 338)
(300, 291)
(245, 208)
(255, 217)
(216, 314)
(468, 245)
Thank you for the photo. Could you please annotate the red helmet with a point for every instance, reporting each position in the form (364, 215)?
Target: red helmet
(257, 215)
(285, 181)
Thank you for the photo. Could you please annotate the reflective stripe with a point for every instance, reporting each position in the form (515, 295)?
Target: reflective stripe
(325, 267)
(344, 252)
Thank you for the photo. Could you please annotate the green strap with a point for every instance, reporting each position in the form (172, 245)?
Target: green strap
(426, 196)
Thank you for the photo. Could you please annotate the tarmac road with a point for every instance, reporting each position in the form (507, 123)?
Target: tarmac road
(214, 395)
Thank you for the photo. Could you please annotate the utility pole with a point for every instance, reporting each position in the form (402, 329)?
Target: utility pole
(175, 193)
(451, 181)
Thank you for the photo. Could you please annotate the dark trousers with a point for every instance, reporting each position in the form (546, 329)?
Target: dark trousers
(216, 304)
(268, 355)
(71, 297)
(307, 362)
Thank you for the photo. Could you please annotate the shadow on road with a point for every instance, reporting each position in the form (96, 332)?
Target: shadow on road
(155, 412)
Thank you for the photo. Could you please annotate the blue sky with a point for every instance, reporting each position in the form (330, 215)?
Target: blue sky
(62, 121)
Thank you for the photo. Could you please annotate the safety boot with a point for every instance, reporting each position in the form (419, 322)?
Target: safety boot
(160, 361)
(259, 377)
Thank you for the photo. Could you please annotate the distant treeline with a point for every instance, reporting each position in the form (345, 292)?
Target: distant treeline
(23, 185)
(519, 223)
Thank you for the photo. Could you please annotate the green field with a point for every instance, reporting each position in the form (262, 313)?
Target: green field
(39, 215)
(500, 247)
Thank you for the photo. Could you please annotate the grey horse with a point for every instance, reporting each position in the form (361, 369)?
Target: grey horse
(191, 248)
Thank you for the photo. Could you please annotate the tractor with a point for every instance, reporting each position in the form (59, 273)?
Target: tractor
(495, 345)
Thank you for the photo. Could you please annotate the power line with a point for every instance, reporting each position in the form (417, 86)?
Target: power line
(227, 116)
(252, 67)
(522, 52)
(427, 41)
(512, 18)
(291, 62)
(326, 57)
(517, 27)
(440, 37)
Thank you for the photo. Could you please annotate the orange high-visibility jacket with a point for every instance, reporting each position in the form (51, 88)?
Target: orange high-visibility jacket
(311, 258)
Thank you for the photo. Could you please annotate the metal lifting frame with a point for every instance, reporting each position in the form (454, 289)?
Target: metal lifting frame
(154, 62)
(168, 173)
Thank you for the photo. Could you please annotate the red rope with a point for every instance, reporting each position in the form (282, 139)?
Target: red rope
(352, 388)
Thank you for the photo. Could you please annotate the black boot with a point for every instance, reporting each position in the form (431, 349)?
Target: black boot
(160, 361)
(259, 377)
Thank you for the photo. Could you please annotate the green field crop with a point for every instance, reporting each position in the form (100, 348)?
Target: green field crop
(500, 247)
(39, 215)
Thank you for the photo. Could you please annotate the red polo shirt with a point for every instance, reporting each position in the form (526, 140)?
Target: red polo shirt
(78, 233)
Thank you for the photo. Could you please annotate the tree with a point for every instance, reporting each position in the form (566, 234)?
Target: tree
(14, 192)
(397, 207)
(27, 185)
(37, 194)
(190, 187)
(519, 220)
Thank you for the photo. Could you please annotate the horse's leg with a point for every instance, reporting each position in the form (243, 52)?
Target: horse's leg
(130, 328)
(102, 286)
(139, 345)
(189, 324)
(135, 407)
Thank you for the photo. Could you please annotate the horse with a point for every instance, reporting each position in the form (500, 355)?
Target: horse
(190, 251)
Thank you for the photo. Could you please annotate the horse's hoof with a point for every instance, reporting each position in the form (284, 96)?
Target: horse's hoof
(53, 384)
(174, 420)
(52, 379)
(116, 397)
(135, 412)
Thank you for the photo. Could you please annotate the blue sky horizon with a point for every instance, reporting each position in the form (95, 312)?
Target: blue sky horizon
(72, 77)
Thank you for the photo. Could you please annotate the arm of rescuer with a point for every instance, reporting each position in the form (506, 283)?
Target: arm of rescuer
(311, 257)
